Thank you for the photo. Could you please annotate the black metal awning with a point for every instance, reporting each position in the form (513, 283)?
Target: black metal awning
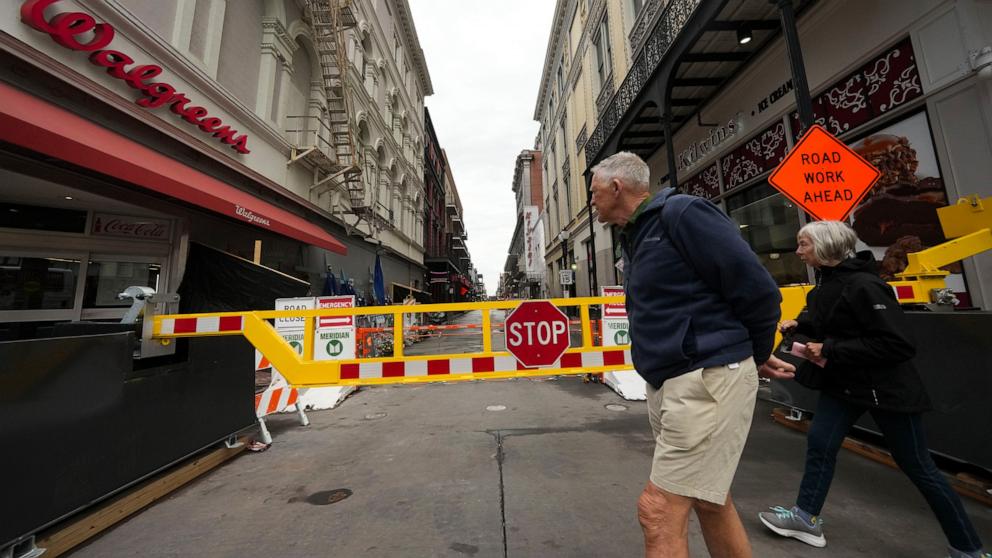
(693, 51)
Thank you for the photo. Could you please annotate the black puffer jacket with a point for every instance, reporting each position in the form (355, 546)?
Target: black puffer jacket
(865, 341)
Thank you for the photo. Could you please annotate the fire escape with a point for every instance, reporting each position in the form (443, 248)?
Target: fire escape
(326, 142)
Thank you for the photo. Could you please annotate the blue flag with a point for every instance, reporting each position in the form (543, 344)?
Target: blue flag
(378, 283)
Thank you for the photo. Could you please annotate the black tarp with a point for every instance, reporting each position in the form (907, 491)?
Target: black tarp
(953, 360)
(78, 423)
(216, 281)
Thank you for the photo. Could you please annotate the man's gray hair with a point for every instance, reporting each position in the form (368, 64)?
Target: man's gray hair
(833, 241)
(626, 166)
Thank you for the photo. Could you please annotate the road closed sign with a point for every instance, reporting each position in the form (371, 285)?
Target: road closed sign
(823, 176)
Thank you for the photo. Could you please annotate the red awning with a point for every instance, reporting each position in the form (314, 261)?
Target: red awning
(40, 126)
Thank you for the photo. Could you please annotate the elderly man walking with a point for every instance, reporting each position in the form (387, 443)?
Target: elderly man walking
(702, 313)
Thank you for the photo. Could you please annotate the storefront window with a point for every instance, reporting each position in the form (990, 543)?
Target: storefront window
(106, 279)
(769, 223)
(33, 217)
(28, 283)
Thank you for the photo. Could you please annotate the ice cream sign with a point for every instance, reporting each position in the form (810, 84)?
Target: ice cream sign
(823, 176)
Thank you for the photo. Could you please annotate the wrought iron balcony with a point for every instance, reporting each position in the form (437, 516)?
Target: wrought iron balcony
(661, 38)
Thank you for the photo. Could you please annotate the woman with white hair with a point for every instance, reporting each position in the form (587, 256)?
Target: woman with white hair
(862, 356)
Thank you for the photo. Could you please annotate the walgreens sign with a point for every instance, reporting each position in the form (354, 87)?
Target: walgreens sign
(80, 32)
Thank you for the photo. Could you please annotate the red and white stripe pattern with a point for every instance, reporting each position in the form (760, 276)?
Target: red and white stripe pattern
(212, 324)
(275, 399)
(477, 365)
(278, 395)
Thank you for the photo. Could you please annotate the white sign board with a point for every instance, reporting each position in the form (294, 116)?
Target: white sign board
(566, 277)
(616, 332)
(616, 311)
(335, 302)
(301, 303)
(334, 343)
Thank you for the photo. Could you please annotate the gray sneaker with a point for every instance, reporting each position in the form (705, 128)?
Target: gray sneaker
(785, 522)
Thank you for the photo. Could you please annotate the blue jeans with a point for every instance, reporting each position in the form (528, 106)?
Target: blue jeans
(904, 436)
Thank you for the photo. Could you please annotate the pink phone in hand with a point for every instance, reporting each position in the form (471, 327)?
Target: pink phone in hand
(799, 350)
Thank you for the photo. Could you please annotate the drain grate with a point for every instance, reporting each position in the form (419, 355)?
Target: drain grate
(616, 407)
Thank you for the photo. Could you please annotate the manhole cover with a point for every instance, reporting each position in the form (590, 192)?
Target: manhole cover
(327, 497)
(616, 407)
(375, 416)
(496, 408)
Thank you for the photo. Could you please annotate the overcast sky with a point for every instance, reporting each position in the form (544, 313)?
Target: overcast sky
(485, 59)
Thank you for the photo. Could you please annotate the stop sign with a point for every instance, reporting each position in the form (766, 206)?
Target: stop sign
(536, 333)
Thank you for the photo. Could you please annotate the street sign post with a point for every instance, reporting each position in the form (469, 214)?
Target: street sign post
(537, 333)
(823, 176)
(334, 338)
(616, 332)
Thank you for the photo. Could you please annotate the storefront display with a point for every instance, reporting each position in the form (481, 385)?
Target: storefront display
(902, 208)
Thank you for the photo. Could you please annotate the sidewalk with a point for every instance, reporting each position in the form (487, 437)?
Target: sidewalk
(429, 471)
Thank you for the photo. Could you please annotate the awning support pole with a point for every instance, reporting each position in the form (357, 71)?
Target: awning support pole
(594, 286)
(673, 168)
(804, 103)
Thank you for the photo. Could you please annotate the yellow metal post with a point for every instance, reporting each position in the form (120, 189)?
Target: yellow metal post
(487, 334)
(308, 338)
(397, 334)
(586, 327)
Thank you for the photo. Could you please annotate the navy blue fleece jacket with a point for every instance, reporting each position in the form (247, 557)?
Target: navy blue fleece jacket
(697, 296)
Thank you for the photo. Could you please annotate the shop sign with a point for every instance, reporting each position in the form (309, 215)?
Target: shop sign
(105, 224)
(824, 176)
(530, 232)
(699, 149)
(80, 32)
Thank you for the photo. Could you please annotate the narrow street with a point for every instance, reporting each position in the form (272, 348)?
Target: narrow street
(538, 467)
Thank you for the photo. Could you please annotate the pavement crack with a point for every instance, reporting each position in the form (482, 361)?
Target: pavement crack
(502, 494)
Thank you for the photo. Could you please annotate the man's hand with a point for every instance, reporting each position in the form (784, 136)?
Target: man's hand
(777, 369)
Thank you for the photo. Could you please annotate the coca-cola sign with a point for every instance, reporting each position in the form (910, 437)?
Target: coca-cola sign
(131, 227)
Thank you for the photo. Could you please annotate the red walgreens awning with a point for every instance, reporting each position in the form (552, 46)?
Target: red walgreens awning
(40, 126)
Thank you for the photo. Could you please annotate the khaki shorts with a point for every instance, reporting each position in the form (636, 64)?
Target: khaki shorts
(700, 422)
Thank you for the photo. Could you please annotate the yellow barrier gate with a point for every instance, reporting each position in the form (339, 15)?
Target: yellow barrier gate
(304, 371)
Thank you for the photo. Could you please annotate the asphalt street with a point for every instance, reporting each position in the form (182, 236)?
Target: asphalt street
(517, 468)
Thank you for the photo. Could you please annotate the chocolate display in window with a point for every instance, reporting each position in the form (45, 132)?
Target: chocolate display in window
(901, 204)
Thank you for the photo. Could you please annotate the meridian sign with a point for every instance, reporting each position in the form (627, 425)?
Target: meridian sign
(823, 176)
(537, 333)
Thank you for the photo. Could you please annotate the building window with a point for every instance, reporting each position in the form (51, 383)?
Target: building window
(769, 223)
(604, 53)
(105, 279)
(38, 283)
(37, 218)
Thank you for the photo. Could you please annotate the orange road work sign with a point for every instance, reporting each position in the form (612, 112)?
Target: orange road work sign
(824, 176)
